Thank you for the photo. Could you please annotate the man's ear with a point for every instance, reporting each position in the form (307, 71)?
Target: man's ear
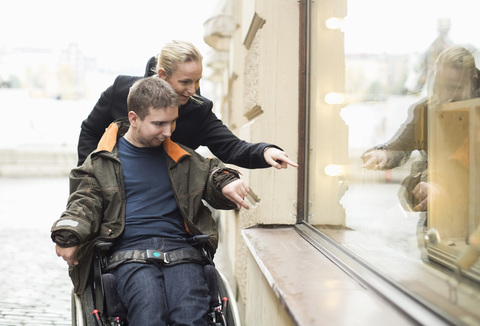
(133, 118)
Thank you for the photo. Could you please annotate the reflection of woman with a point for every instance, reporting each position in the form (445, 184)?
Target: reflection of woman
(180, 64)
(455, 79)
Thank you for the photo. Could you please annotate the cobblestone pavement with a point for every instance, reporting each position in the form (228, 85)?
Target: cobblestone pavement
(34, 285)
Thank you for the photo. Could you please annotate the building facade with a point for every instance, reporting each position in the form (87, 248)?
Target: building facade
(335, 241)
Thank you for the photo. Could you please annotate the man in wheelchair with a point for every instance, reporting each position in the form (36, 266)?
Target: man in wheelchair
(143, 193)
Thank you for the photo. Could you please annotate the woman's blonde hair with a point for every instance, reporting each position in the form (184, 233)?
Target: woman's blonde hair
(461, 60)
(175, 53)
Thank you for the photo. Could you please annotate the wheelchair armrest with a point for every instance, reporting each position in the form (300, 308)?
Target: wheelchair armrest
(103, 247)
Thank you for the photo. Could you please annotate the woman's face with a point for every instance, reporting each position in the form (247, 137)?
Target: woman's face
(452, 85)
(185, 80)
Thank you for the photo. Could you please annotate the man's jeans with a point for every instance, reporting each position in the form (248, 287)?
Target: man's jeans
(155, 294)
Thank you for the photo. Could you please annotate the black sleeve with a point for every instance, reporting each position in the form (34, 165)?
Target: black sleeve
(111, 106)
(228, 147)
(65, 238)
(212, 133)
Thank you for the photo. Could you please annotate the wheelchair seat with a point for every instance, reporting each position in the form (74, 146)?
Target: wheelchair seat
(100, 304)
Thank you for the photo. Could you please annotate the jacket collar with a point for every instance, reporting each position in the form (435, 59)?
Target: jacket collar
(109, 140)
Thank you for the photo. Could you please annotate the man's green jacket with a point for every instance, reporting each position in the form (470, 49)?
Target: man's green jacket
(96, 206)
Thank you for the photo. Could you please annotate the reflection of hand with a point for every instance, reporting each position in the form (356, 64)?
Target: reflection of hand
(68, 254)
(375, 160)
(423, 191)
(236, 192)
(277, 158)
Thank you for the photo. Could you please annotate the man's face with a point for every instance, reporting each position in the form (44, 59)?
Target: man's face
(185, 80)
(155, 128)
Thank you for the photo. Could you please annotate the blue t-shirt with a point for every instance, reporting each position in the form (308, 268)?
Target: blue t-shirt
(151, 208)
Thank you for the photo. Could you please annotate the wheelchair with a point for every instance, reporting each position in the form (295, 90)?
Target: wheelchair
(100, 306)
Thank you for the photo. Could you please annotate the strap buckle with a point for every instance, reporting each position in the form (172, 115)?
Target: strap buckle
(156, 255)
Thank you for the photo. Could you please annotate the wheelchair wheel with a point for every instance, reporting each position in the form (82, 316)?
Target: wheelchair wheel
(233, 317)
(77, 311)
(82, 307)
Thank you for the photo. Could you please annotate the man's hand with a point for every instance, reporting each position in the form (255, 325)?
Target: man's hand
(236, 192)
(375, 160)
(68, 254)
(277, 158)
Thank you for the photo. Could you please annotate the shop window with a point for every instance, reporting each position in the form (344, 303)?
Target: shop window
(393, 125)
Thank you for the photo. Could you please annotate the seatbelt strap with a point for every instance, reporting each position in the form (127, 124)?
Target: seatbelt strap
(174, 257)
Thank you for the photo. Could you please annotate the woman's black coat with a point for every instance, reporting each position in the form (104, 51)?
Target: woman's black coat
(197, 125)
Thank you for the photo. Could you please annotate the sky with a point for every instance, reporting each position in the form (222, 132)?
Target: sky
(123, 35)
(407, 26)
(113, 31)
(120, 33)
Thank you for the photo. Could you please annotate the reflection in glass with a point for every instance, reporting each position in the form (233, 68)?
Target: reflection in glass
(442, 185)
(393, 160)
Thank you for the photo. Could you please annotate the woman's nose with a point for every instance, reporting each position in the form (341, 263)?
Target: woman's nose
(191, 90)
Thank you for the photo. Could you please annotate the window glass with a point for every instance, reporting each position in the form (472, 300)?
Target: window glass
(394, 128)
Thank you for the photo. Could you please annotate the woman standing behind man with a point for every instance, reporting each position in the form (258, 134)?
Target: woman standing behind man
(180, 64)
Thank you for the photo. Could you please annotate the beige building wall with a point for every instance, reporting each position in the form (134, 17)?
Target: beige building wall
(259, 103)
